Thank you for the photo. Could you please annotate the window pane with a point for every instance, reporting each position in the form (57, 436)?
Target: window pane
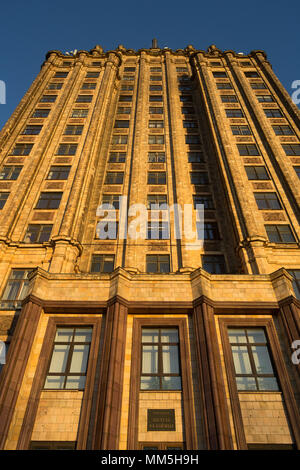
(245, 383)
(150, 360)
(76, 382)
(262, 360)
(170, 359)
(237, 336)
(59, 358)
(83, 335)
(267, 383)
(150, 383)
(169, 336)
(256, 335)
(79, 358)
(241, 360)
(171, 383)
(149, 336)
(64, 335)
(54, 381)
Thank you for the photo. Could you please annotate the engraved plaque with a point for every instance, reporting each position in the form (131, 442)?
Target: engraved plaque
(161, 420)
(269, 216)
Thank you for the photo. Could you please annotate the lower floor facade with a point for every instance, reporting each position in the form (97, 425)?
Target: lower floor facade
(131, 361)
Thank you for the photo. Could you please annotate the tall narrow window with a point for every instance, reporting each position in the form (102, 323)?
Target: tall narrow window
(252, 360)
(68, 365)
(16, 288)
(3, 199)
(160, 359)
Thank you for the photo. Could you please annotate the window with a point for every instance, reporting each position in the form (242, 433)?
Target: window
(107, 229)
(224, 86)
(49, 201)
(251, 74)
(158, 230)
(119, 139)
(205, 200)
(186, 98)
(156, 177)
(252, 360)
(3, 352)
(211, 231)
(247, 149)
(280, 234)
(67, 149)
(155, 98)
(128, 78)
(195, 157)
(192, 139)
(187, 110)
(160, 359)
(153, 110)
(190, 124)
(267, 201)
(158, 264)
(291, 149)
(155, 87)
(123, 110)
(258, 86)
(296, 282)
(84, 98)
(41, 113)
(198, 177)
(265, 98)
(297, 170)
(3, 199)
(32, 130)
(16, 288)
(48, 99)
(156, 139)
(220, 74)
(283, 130)
(127, 87)
(181, 69)
(241, 130)
(88, 86)
(73, 130)
(79, 113)
(156, 124)
(92, 75)
(22, 149)
(114, 178)
(245, 64)
(54, 86)
(117, 157)
(156, 200)
(52, 445)
(257, 173)
(59, 173)
(214, 264)
(112, 199)
(68, 365)
(37, 233)
(129, 69)
(125, 98)
(103, 263)
(229, 99)
(185, 88)
(10, 172)
(96, 64)
(215, 64)
(234, 113)
(155, 78)
(183, 79)
(156, 157)
(121, 124)
(61, 74)
(155, 69)
(270, 113)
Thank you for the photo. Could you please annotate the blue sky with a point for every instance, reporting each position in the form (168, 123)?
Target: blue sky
(30, 29)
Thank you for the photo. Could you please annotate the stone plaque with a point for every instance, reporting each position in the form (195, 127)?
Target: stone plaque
(161, 420)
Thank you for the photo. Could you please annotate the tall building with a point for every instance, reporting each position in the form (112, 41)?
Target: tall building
(152, 342)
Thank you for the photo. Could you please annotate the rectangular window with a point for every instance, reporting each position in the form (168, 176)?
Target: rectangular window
(117, 157)
(84, 98)
(192, 139)
(154, 200)
(220, 74)
(156, 177)
(190, 124)
(37, 233)
(229, 99)
(79, 113)
(119, 139)
(247, 149)
(265, 98)
(88, 86)
(241, 130)
(92, 75)
(155, 78)
(22, 149)
(10, 172)
(195, 157)
(198, 177)
(158, 230)
(121, 124)
(128, 78)
(160, 359)
(252, 74)
(59, 172)
(3, 199)
(270, 113)
(211, 231)
(155, 87)
(232, 113)
(125, 98)
(185, 88)
(155, 98)
(291, 149)
(283, 130)
(54, 86)
(156, 124)
(297, 170)
(16, 288)
(257, 173)
(155, 69)
(114, 178)
(296, 282)
(48, 99)
(214, 264)
(252, 360)
(280, 234)
(267, 201)
(41, 113)
(205, 200)
(156, 157)
(129, 69)
(154, 110)
(156, 139)
(186, 98)
(32, 130)
(67, 149)
(187, 110)
(158, 264)
(224, 86)
(61, 74)
(123, 110)
(73, 130)
(127, 87)
(111, 199)
(258, 86)
(69, 359)
(49, 200)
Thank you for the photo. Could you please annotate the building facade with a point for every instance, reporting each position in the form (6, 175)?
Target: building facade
(151, 343)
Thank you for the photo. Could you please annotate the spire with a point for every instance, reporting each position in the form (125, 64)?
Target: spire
(154, 44)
